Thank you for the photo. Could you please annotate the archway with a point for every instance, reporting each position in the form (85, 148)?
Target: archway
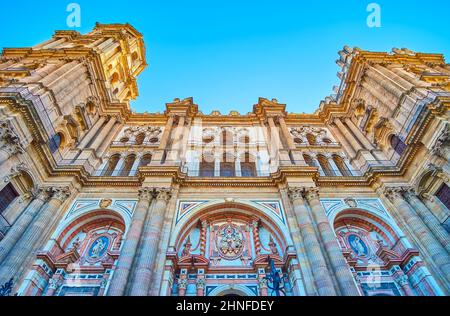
(226, 246)
(381, 257)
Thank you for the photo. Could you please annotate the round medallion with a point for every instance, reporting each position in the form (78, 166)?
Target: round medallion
(230, 241)
(98, 247)
(358, 245)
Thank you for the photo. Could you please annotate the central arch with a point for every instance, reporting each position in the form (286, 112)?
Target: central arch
(227, 290)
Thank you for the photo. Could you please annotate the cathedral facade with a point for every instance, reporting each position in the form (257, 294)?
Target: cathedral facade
(98, 200)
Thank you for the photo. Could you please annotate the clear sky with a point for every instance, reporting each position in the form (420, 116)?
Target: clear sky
(226, 54)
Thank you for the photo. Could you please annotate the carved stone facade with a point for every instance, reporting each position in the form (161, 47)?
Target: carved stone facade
(98, 200)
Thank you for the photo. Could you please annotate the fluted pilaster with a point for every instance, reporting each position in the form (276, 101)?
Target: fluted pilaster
(340, 266)
(129, 248)
(22, 223)
(322, 276)
(420, 230)
(152, 234)
(428, 218)
(28, 241)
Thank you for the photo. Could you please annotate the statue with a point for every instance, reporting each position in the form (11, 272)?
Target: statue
(273, 247)
(187, 248)
(358, 246)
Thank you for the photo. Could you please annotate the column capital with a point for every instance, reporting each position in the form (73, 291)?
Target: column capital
(295, 193)
(409, 193)
(60, 193)
(262, 282)
(145, 194)
(201, 283)
(312, 194)
(42, 193)
(393, 193)
(163, 194)
(182, 283)
(402, 280)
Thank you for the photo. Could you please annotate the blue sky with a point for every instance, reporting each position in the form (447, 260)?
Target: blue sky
(226, 54)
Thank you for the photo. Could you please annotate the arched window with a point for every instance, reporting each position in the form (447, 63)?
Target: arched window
(112, 164)
(145, 160)
(56, 142)
(227, 166)
(248, 167)
(398, 145)
(127, 166)
(323, 161)
(227, 138)
(340, 163)
(140, 139)
(134, 57)
(7, 195)
(309, 161)
(443, 194)
(207, 167)
(115, 78)
(311, 139)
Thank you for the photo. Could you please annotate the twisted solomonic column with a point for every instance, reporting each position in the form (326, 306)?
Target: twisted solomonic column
(28, 241)
(420, 230)
(150, 242)
(129, 248)
(341, 268)
(322, 275)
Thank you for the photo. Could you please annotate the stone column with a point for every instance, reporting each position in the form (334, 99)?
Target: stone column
(27, 243)
(167, 131)
(348, 135)
(117, 126)
(437, 208)
(322, 275)
(182, 285)
(341, 268)
(129, 248)
(94, 129)
(275, 145)
(144, 267)
(342, 139)
(367, 144)
(182, 282)
(419, 229)
(201, 286)
(263, 289)
(237, 166)
(286, 134)
(428, 218)
(53, 284)
(403, 281)
(22, 223)
(100, 138)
